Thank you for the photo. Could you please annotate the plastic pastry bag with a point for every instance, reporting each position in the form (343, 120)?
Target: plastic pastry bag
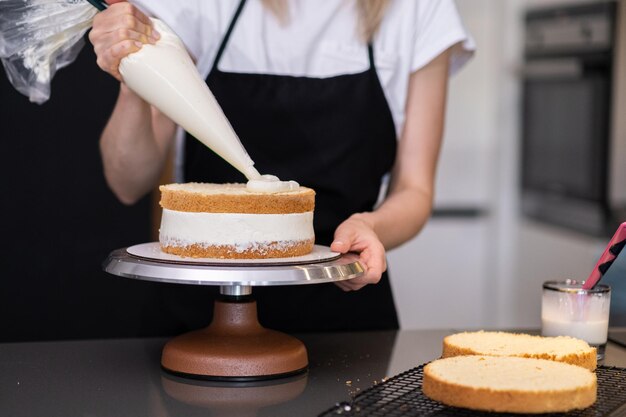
(38, 37)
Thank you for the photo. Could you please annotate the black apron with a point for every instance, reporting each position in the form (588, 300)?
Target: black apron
(335, 135)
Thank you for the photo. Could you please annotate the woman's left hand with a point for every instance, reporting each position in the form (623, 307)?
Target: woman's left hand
(357, 234)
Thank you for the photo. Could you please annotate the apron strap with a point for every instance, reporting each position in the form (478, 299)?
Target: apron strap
(226, 37)
(231, 26)
(370, 54)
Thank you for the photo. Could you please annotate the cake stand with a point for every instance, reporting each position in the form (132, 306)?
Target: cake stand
(234, 347)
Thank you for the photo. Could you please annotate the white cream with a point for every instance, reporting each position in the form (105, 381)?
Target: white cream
(244, 231)
(271, 184)
(165, 76)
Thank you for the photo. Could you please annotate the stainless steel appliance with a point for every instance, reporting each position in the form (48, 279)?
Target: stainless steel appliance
(574, 106)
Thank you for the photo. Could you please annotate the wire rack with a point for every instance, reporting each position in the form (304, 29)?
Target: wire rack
(402, 395)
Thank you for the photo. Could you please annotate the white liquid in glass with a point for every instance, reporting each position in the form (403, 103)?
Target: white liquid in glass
(593, 332)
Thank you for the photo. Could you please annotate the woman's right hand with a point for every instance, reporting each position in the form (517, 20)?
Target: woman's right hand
(118, 31)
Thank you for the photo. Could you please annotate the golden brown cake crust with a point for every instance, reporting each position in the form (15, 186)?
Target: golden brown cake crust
(270, 250)
(511, 401)
(586, 359)
(246, 203)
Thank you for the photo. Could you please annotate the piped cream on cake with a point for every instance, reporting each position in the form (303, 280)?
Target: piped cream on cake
(270, 184)
(237, 221)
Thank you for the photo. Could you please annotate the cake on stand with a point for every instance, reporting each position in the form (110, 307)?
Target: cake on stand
(234, 347)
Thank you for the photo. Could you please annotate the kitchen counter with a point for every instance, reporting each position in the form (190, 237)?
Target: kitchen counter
(123, 377)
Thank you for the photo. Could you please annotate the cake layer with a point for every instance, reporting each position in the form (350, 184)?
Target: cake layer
(509, 384)
(560, 349)
(238, 231)
(257, 251)
(234, 198)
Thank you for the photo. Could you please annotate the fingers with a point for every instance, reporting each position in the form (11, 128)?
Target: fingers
(357, 235)
(340, 246)
(118, 7)
(140, 16)
(109, 60)
(374, 264)
(129, 23)
(124, 48)
(373, 272)
(344, 239)
(119, 31)
(344, 285)
(121, 20)
(375, 261)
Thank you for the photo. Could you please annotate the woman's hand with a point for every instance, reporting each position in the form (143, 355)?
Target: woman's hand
(117, 32)
(357, 234)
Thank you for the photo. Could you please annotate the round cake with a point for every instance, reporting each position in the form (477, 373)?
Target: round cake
(229, 221)
(509, 384)
(561, 348)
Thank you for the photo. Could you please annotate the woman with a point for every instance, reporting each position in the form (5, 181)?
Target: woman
(333, 94)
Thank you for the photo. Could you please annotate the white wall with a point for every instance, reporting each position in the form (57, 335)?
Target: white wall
(439, 278)
(465, 165)
(546, 253)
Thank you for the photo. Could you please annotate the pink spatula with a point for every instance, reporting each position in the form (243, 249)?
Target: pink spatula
(615, 246)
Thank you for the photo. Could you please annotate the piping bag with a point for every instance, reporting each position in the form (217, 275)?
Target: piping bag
(165, 76)
(39, 37)
(613, 249)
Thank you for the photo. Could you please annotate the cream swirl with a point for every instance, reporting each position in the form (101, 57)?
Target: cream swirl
(270, 184)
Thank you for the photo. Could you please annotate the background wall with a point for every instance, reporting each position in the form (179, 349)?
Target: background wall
(487, 269)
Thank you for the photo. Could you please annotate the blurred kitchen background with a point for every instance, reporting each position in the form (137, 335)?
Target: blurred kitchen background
(531, 179)
(531, 184)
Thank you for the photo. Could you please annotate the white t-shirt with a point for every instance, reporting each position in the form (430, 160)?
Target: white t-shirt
(320, 39)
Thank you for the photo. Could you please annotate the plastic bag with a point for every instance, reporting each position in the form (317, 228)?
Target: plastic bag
(39, 37)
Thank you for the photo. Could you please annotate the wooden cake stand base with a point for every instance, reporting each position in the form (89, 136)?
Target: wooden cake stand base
(234, 347)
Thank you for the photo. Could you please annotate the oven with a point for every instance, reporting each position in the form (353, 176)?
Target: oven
(572, 147)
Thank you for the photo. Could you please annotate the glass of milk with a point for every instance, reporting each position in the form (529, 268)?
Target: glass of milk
(569, 310)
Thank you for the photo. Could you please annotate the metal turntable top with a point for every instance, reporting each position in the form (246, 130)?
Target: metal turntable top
(147, 262)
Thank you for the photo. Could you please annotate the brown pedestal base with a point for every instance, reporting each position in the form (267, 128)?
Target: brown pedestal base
(234, 347)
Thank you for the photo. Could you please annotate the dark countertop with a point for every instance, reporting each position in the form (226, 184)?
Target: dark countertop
(97, 378)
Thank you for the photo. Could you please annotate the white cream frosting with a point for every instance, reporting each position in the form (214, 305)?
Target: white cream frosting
(216, 189)
(271, 184)
(243, 231)
(165, 76)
